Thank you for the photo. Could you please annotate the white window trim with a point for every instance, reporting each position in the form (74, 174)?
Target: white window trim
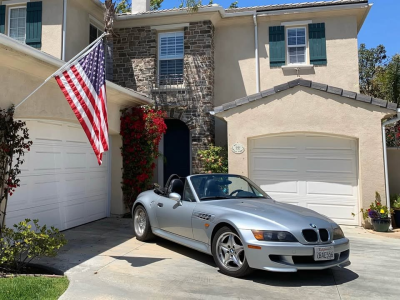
(160, 35)
(180, 27)
(96, 23)
(305, 45)
(97, 27)
(297, 23)
(14, 2)
(9, 21)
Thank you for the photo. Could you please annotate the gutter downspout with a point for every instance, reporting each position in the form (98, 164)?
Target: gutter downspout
(391, 121)
(64, 29)
(256, 52)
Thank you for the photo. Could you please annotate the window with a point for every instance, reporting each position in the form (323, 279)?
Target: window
(296, 45)
(170, 66)
(188, 194)
(17, 23)
(94, 33)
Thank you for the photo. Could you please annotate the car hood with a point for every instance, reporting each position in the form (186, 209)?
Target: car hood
(278, 213)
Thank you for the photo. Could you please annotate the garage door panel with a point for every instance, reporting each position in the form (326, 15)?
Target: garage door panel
(61, 180)
(278, 186)
(75, 160)
(329, 143)
(46, 159)
(276, 143)
(329, 165)
(309, 170)
(339, 213)
(267, 165)
(331, 188)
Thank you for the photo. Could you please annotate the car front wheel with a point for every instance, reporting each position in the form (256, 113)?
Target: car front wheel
(228, 253)
(141, 224)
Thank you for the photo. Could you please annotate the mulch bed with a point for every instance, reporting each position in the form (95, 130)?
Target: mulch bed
(34, 270)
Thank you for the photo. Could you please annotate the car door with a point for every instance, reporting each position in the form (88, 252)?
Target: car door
(176, 217)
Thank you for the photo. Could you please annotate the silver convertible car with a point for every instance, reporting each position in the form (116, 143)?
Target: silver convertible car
(235, 221)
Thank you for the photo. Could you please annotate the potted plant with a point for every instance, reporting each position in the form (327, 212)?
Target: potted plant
(378, 215)
(396, 208)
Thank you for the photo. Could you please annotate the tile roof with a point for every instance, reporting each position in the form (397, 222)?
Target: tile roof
(295, 5)
(257, 8)
(309, 84)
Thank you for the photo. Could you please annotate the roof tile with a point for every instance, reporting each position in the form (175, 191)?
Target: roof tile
(268, 92)
(392, 106)
(255, 97)
(242, 101)
(229, 105)
(364, 98)
(349, 94)
(319, 86)
(335, 90)
(379, 102)
(306, 83)
(281, 87)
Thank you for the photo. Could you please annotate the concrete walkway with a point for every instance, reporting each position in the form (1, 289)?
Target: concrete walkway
(103, 261)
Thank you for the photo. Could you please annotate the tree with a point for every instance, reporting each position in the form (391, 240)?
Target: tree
(234, 4)
(388, 80)
(371, 62)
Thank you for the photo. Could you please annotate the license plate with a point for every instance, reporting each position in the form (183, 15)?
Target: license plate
(324, 253)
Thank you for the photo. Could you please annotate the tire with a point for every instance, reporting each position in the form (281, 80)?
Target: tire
(141, 224)
(228, 253)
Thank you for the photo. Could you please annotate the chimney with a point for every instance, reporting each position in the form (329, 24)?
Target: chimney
(139, 6)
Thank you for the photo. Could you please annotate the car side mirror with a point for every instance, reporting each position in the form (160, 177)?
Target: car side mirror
(175, 196)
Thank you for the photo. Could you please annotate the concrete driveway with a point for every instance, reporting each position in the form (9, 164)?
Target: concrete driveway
(104, 261)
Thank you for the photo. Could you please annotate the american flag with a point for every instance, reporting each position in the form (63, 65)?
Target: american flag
(84, 86)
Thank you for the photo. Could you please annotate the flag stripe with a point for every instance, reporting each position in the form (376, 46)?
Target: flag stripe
(84, 86)
(75, 109)
(89, 120)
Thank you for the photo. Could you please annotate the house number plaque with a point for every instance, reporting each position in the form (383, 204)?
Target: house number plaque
(237, 148)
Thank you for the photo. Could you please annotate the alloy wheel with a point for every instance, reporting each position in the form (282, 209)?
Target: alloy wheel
(230, 251)
(139, 221)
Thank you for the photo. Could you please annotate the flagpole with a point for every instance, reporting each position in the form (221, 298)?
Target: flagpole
(63, 67)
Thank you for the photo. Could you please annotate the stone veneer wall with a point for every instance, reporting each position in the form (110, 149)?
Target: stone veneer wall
(135, 67)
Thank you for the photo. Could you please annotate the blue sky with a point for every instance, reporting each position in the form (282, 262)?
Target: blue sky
(381, 27)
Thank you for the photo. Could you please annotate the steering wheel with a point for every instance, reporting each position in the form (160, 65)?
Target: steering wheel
(235, 191)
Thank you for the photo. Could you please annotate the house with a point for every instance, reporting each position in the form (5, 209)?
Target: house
(61, 182)
(282, 82)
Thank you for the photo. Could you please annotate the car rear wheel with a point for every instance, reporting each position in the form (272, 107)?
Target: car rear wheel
(228, 253)
(141, 224)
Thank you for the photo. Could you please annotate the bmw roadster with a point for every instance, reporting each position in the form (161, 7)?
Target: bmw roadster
(235, 221)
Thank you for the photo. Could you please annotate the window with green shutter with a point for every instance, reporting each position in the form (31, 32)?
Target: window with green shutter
(277, 46)
(34, 24)
(317, 44)
(2, 19)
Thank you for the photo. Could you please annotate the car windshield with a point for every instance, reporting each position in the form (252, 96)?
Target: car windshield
(216, 187)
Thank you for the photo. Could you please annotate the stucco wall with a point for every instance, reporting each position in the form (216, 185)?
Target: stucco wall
(305, 110)
(78, 23)
(393, 157)
(117, 201)
(235, 74)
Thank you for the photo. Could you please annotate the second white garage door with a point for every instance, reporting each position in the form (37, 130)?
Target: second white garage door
(61, 182)
(314, 171)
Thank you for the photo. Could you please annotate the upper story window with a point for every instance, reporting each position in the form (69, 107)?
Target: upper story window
(94, 33)
(170, 56)
(296, 45)
(17, 23)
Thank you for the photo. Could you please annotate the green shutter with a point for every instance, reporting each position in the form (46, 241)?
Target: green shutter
(277, 47)
(317, 39)
(2, 19)
(34, 24)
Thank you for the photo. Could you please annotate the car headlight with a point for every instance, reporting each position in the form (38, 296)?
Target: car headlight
(338, 233)
(274, 236)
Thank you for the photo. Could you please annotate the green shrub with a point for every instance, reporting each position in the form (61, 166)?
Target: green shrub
(22, 244)
(214, 159)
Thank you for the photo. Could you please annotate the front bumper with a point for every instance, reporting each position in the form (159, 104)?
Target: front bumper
(290, 257)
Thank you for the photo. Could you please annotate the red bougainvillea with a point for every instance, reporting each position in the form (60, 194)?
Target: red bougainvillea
(141, 131)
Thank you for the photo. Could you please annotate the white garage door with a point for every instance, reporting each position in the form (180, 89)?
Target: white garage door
(315, 171)
(61, 182)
